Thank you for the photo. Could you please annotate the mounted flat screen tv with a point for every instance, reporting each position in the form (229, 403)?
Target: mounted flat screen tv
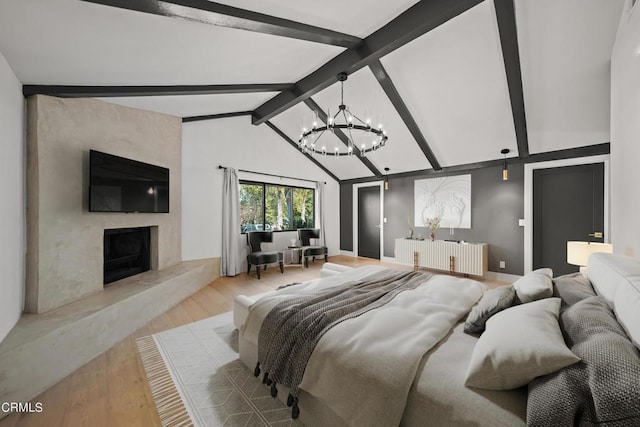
(117, 184)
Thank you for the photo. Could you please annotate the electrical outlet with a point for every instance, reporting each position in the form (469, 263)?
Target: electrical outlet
(503, 264)
(521, 222)
(384, 220)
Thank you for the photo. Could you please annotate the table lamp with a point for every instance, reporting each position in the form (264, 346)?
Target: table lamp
(578, 253)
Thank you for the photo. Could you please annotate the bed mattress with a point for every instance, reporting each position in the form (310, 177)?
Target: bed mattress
(436, 397)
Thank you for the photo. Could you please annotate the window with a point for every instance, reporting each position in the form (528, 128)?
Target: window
(275, 207)
(251, 206)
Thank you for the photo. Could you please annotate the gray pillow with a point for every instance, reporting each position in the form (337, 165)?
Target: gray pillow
(572, 288)
(604, 387)
(535, 285)
(492, 302)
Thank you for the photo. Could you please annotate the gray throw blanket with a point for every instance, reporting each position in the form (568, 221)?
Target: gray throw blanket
(291, 330)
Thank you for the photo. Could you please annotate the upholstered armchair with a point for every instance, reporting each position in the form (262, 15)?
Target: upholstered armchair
(310, 250)
(257, 256)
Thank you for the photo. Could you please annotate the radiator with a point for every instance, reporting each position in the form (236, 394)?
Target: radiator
(463, 258)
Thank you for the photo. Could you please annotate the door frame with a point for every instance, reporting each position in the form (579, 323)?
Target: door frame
(528, 198)
(356, 187)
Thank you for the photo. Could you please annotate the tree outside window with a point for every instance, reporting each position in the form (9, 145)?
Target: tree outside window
(303, 208)
(251, 206)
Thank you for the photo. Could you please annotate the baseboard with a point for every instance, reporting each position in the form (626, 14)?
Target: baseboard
(389, 259)
(347, 253)
(503, 277)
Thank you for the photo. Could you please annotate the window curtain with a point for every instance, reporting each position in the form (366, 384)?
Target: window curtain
(320, 211)
(230, 261)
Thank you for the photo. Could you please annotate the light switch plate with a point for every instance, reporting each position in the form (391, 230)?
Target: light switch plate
(503, 264)
(521, 222)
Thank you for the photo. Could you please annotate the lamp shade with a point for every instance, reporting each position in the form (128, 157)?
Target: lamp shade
(578, 252)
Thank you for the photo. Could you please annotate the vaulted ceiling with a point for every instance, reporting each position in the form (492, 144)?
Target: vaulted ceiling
(454, 81)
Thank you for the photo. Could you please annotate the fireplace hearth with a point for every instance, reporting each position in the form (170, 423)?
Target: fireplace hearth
(126, 253)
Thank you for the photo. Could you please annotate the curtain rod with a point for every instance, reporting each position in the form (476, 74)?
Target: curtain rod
(270, 174)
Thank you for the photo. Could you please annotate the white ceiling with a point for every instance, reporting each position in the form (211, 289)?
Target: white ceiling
(365, 97)
(565, 51)
(453, 82)
(451, 79)
(357, 18)
(77, 43)
(195, 105)
(291, 123)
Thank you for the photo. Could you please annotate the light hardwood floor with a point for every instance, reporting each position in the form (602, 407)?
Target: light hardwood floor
(112, 390)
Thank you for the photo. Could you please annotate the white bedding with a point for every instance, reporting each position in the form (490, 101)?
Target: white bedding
(363, 368)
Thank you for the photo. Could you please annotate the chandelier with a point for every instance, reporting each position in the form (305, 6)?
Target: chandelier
(369, 138)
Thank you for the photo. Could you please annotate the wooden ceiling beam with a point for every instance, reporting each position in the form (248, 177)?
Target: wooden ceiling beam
(130, 91)
(506, 16)
(215, 116)
(569, 153)
(222, 15)
(409, 25)
(392, 93)
(293, 144)
(322, 115)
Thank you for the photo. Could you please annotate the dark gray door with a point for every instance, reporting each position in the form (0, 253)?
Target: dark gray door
(568, 204)
(369, 222)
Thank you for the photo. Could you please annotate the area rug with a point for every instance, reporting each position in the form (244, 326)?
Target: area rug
(197, 379)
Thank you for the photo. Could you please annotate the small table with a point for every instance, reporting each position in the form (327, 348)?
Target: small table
(291, 250)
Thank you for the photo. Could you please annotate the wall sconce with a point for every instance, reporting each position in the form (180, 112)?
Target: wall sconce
(505, 171)
(386, 178)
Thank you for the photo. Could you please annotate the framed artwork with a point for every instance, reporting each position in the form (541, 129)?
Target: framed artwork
(447, 198)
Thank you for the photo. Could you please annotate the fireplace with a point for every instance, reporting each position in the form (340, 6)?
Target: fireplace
(126, 252)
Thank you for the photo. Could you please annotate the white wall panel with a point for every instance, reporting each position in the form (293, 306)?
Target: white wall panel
(12, 207)
(237, 143)
(625, 134)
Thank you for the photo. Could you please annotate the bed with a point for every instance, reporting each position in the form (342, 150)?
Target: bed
(435, 392)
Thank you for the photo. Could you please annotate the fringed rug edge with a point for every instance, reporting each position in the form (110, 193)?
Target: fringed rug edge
(166, 396)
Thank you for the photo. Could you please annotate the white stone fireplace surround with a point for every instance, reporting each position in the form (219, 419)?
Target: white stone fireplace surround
(64, 239)
(75, 319)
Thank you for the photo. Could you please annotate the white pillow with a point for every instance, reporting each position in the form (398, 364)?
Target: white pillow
(519, 344)
(535, 285)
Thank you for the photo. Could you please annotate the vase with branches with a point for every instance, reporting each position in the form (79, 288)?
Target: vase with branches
(433, 224)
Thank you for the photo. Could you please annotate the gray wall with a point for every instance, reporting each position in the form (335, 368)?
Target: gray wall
(346, 217)
(496, 206)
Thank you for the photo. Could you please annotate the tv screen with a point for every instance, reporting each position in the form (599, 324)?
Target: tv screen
(117, 184)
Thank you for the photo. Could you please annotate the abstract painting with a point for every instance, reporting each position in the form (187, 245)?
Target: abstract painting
(447, 198)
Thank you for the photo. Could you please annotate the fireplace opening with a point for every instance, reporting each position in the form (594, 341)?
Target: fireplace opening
(126, 253)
